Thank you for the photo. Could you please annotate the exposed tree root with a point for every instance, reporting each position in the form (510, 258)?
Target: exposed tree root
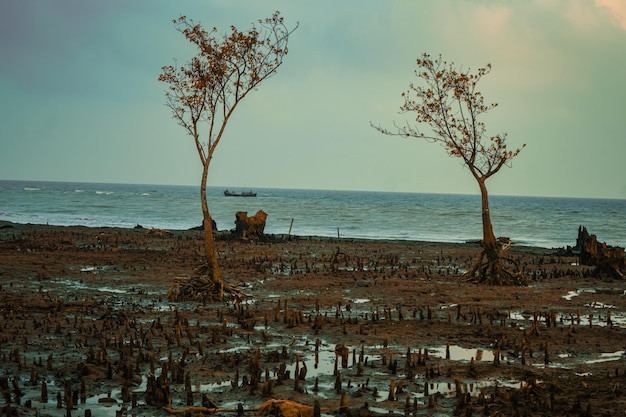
(493, 269)
(203, 287)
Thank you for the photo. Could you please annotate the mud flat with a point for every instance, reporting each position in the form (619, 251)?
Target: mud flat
(377, 327)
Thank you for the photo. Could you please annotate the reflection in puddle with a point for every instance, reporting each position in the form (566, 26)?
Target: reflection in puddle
(458, 353)
(213, 387)
(320, 365)
(607, 357)
(570, 295)
(572, 360)
(80, 285)
(96, 402)
(608, 318)
(113, 290)
(97, 269)
(472, 387)
(597, 304)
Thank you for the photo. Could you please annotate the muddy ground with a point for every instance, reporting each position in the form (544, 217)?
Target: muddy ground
(84, 315)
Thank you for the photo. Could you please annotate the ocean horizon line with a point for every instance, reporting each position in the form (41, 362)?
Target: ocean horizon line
(246, 187)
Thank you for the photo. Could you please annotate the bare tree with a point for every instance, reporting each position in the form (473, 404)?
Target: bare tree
(204, 93)
(449, 105)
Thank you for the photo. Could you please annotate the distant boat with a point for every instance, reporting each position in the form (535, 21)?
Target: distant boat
(228, 193)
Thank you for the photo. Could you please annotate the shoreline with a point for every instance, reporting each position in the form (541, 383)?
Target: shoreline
(535, 222)
(227, 235)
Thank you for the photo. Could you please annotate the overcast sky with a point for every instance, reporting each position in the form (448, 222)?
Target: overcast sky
(80, 100)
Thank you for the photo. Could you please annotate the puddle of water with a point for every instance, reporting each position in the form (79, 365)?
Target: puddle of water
(113, 290)
(576, 293)
(78, 285)
(325, 364)
(458, 353)
(163, 307)
(115, 395)
(571, 361)
(96, 269)
(616, 320)
(323, 369)
(237, 349)
(378, 410)
(212, 387)
(473, 387)
(320, 366)
(519, 316)
(607, 357)
(447, 389)
(92, 403)
(597, 304)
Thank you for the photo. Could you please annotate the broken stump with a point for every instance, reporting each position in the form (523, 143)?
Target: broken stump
(607, 259)
(247, 227)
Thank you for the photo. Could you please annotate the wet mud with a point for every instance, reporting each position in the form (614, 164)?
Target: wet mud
(357, 327)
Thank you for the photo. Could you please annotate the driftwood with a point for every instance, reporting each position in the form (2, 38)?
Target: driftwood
(247, 227)
(201, 227)
(285, 408)
(607, 259)
(208, 410)
(158, 232)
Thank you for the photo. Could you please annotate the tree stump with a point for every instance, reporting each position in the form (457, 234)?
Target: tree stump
(607, 259)
(247, 227)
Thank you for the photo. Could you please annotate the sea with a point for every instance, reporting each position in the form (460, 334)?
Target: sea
(547, 222)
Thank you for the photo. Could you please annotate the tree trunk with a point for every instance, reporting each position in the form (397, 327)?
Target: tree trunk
(212, 268)
(490, 244)
(207, 282)
(490, 268)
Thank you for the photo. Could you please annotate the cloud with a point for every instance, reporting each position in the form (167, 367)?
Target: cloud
(617, 9)
(587, 18)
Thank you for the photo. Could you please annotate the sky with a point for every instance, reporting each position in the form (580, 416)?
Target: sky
(80, 100)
